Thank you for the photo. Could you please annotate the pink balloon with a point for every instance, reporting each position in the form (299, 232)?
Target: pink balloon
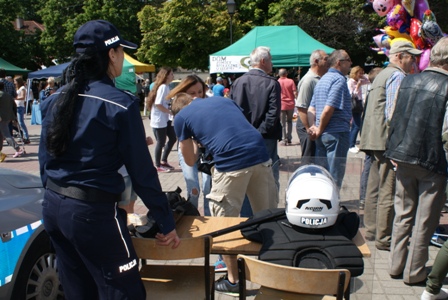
(424, 59)
(420, 7)
(382, 7)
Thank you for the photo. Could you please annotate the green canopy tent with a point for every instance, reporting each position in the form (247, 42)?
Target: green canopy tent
(12, 70)
(290, 47)
(126, 81)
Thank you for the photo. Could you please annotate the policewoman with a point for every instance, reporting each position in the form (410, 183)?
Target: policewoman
(90, 129)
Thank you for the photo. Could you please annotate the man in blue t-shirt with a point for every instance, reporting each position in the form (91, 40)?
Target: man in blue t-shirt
(331, 109)
(218, 88)
(242, 164)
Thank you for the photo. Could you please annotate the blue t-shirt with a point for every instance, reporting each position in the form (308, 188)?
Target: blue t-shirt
(218, 90)
(332, 90)
(220, 126)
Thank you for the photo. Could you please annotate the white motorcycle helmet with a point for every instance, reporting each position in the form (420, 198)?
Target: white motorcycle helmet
(312, 199)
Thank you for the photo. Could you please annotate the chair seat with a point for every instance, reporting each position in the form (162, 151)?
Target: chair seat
(265, 293)
(178, 282)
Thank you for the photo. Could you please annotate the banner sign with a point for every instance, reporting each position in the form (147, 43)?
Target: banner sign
(229, 64)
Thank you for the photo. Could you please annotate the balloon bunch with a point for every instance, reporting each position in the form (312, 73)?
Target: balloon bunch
(411, 20)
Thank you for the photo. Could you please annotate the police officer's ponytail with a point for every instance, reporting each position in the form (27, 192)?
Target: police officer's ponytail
(84, 67)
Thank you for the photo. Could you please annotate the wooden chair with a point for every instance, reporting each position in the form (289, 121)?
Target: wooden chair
(177, 281)
(282, 282)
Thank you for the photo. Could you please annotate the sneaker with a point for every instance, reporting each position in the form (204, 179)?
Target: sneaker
(162, 169)
(18, 153)
(354, 150)
(167, 165)
(439, 237)
(224, 286)
(2, 157)
(443, 294)
(220, 266)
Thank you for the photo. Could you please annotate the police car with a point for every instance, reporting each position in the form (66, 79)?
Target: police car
(28, 264)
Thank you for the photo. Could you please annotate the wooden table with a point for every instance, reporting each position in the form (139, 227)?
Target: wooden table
(234, 242)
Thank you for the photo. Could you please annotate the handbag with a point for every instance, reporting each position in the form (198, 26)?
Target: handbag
(205, 162)
(356, 104)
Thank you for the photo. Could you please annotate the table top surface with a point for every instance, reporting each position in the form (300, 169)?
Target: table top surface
(234, 242)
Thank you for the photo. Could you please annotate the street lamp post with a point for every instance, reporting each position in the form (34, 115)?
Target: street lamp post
(231, 6)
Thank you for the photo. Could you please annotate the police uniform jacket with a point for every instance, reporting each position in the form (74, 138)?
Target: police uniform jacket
(106, 134)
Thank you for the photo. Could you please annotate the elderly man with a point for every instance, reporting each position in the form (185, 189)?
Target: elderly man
(305, 89)
(415, 145)
(330, 109)
(259, 95)
(379, 210)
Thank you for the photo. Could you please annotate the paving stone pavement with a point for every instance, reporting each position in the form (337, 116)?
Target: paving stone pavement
(374, 284)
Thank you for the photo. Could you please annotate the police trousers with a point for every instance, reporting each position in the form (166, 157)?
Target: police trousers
(96, 259)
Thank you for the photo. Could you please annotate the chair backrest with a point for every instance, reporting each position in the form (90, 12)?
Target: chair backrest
(292, 279)
(189, 248)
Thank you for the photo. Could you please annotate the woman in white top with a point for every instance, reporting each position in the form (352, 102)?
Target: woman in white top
(161, 119)
(357, 78)
(20, 102)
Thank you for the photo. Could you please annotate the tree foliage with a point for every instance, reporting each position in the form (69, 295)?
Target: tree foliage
(184, 33)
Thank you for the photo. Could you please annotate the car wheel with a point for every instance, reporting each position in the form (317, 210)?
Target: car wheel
(38, 275)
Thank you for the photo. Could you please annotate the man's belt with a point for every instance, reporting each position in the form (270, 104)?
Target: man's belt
(82, 193)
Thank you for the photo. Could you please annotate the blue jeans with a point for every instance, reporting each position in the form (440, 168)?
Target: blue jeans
(192, 182)
(271, 146)
(21, 119)
(365, 176)
(246, 209)
(333, 147)
(356, 124)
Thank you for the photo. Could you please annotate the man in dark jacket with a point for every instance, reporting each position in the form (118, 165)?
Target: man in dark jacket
(416, 146)
(259, 95)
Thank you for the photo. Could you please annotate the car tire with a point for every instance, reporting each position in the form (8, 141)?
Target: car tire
(38, 277)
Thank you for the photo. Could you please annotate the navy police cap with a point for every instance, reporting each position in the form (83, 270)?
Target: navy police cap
(99, 35)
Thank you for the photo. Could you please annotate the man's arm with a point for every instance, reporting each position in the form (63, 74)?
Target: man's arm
(324, 119)
(274, 107)
(445, 132)
(392, 86)
(304, 117)
(189, 149)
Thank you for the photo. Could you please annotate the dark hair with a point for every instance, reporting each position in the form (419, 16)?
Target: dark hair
(19, 81)
(2, 73)
(160, 79)
(85, 66)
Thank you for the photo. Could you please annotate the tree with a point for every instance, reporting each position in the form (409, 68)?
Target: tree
(340, 24)
(56, 15)
(63, 17)
(184, 33)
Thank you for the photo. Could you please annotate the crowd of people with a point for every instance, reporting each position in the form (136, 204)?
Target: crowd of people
(401, 121)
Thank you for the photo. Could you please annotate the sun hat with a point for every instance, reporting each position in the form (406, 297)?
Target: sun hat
(99, 35)
(404, 46)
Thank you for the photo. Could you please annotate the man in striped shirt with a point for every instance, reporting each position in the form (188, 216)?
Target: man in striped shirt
(330, 109)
